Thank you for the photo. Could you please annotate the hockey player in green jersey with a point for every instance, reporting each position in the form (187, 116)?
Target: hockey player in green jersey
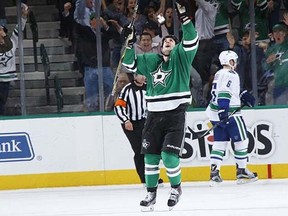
(168, 95)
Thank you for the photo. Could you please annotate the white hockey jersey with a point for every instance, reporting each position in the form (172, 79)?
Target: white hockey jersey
(226, 85)
(7, 59)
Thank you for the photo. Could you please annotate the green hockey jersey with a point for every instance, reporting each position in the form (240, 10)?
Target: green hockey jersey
(222, 17)
(167, 82)
(261, 17)
(280, 65)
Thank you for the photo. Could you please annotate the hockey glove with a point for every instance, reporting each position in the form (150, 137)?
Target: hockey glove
(129, 34)
(182, 8)
(224, 119)
(247, 99)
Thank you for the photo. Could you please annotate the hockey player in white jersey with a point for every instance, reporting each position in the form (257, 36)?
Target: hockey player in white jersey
(226, 98)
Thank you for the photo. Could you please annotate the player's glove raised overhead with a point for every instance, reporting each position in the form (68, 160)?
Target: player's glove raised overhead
(182, 8)
(247, 99)
(129, 34)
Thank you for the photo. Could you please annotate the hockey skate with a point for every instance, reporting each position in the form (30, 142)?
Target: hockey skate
(174, 197)
(148, 203)
(245, 176)
(215, 178)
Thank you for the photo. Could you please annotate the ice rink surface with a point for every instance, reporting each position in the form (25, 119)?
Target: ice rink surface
(261, 198)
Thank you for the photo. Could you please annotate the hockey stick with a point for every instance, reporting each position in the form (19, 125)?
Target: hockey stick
(123, 54)
(200, 135)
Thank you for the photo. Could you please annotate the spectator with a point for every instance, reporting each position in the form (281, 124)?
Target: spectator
(145, 45)
(244, 53)
(156, 3)
(123, 19)
(126, 17)
(67, 21)
(274, 7)
(276, 56)
(204, 23)
(123, 79)
(152, 28)
(8, 65)
(83, 10)
(5, 41)
(222, 26)
(167, 28)
(87, 50)
(115, 44)
(112, 11)
(139, 20)
(119, 5)
(150, 13)
(196, 89)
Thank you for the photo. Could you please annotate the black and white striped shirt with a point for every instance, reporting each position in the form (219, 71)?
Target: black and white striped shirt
(131, 103)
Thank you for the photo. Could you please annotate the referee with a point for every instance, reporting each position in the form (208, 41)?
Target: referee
(130, 108)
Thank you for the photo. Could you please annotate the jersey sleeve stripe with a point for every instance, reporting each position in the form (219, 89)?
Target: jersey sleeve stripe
(131, 67)
(236, 5)
(263, 5)
(190, 45)
(224, 95)
(167, 98)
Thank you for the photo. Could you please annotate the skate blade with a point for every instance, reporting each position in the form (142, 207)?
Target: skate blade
(214, 184)
(147, 208)
(172, 207)
(246, 181)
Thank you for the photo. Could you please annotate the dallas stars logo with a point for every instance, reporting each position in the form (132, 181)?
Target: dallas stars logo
(160, 76)
(4, 58)
(145, 144)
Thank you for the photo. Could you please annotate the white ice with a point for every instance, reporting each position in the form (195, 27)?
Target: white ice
(261, 198)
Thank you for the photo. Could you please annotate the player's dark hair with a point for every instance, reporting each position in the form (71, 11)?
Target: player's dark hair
(170, 36)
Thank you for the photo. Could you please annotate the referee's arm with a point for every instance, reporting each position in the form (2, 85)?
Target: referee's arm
(120, 106)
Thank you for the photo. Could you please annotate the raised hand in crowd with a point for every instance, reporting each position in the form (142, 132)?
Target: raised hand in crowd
(115, 24)
(271, 58)
(161, 8)
(25, 10)
(285, 18)
(230, 39)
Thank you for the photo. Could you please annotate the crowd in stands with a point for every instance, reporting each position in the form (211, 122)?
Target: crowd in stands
(221, 25)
